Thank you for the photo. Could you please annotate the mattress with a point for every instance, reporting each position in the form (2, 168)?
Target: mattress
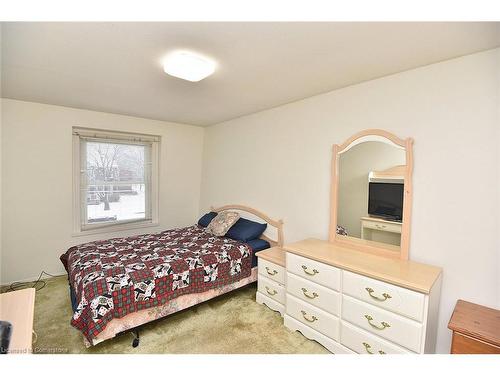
(113, 278)
(256, 245)
(180, 303)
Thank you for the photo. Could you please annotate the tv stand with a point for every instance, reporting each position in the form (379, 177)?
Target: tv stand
(381, 230)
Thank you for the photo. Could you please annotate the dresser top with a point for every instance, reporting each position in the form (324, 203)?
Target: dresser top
(411, 275)
(274, 255)
(477, 321)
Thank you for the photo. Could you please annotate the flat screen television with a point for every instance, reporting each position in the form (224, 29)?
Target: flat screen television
(385, 200)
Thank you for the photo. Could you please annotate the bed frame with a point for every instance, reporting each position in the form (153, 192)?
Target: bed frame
(132, 322)
(278, 224)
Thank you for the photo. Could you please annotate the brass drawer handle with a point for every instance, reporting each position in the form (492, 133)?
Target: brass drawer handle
(271, 292)
(384, 324)
(274, 272)
(308, 295)
(314, 271)
(368, 347)
(385, 295)
(311, 319)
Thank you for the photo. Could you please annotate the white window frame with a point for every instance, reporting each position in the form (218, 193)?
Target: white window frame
(79, 199)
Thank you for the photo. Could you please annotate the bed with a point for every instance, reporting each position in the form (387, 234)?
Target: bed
(119, 284)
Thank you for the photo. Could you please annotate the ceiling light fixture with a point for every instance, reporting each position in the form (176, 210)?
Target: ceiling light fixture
(188, 66)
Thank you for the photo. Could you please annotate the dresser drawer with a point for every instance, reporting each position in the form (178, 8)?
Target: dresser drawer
(272, 271)
(398, 329)
(313, 293)
(385, 226)
(387, 296)
(271, 289)
(317, 272)
(313, 317)
(461, 344)
(363, 342)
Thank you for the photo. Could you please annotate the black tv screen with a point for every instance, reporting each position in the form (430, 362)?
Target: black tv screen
(386, 200)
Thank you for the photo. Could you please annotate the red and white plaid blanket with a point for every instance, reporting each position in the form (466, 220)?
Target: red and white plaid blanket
(115, 277)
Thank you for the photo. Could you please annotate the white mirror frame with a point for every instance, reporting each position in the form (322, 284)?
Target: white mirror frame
(366, 245)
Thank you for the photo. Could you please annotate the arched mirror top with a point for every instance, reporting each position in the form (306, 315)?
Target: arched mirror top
(372, 135)
(371, 193)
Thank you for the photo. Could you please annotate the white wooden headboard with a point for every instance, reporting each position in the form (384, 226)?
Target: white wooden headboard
(278, 224)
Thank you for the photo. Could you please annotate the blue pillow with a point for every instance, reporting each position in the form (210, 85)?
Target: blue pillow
(246, 230)
(206, 219)
(258, 244)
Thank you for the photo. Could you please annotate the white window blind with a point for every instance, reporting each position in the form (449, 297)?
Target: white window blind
(117, 176)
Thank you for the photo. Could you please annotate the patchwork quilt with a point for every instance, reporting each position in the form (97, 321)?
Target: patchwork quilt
(115, 277)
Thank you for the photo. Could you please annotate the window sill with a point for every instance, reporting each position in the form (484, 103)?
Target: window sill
(114, 228)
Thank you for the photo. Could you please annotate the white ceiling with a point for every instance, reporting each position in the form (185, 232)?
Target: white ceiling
(116, 67)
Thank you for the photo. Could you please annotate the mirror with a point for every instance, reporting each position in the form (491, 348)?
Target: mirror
(371, 183)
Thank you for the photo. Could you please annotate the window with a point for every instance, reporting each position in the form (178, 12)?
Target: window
(116, 180)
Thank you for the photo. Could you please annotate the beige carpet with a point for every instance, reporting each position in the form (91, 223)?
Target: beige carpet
(232, 323)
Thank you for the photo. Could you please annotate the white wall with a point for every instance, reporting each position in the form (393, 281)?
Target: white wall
(279, 161)
(37, 181)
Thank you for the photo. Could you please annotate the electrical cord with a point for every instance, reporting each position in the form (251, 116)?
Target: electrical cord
(38, 284)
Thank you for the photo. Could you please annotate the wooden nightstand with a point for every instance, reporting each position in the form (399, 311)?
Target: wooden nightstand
(271, 279)
(476, 329)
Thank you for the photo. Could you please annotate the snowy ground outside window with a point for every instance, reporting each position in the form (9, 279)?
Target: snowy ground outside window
(129, 207)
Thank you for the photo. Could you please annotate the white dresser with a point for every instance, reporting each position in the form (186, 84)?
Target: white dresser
(271, 279)
(354, 302)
